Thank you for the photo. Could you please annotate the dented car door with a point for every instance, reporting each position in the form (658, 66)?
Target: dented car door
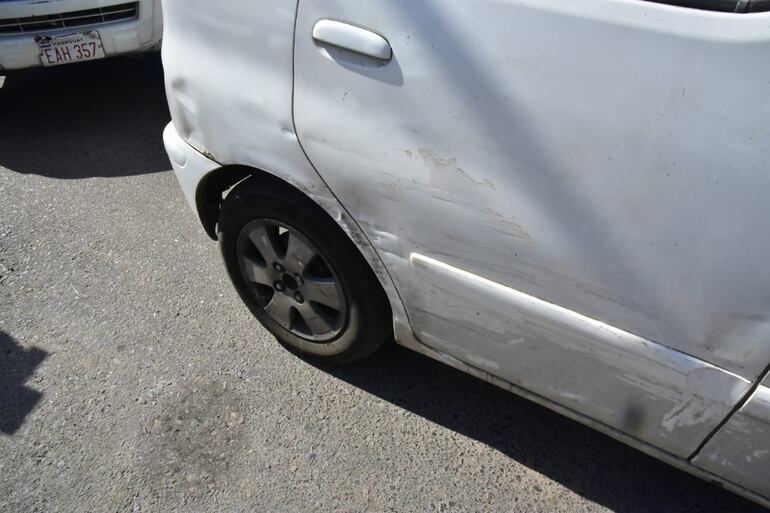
(569, 196)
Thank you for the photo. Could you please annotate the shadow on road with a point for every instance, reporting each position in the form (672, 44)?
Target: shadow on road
(16, 366)
(591, 464)
(102, 118)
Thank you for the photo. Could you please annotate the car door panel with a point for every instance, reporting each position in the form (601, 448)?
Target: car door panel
(604, 158)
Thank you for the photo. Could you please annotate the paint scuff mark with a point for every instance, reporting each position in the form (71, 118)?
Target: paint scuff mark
(445, 168)
(511, 227)
(691, 412)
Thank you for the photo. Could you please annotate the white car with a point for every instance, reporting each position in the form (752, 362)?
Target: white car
(568, 199)
(54, 32)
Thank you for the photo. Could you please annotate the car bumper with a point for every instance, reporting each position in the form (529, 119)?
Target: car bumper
(190, 166)
(20, 51)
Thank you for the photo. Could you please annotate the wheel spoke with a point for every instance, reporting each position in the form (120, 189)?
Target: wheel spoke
(255, 272)
(317, 322)
(263, 238)
(298, 254)
(323, 291)
(279, 308)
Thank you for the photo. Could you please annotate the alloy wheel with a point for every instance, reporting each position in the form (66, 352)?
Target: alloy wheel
(291, 280)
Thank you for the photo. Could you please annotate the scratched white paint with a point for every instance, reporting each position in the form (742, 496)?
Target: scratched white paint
(692, 412)
(650, 391)
(740, 451)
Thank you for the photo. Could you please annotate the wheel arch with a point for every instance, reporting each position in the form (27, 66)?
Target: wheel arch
(209, 197)
(208, 193)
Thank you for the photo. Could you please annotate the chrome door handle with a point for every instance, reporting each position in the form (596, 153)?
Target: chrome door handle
(350, 37)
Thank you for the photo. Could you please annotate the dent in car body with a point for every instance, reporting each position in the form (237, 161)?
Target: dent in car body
(254, 126)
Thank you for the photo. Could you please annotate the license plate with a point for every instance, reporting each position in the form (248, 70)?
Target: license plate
(82, 46)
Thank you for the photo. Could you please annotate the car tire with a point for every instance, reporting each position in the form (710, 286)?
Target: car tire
(300, 274)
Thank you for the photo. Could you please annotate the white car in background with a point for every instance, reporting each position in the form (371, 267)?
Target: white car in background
(568, 199)
(35, 33)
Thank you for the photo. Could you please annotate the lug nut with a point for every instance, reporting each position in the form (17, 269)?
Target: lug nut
(278, 267)
(298, 297)
(279, 286)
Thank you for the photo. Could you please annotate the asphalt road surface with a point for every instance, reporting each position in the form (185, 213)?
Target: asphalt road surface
(132, 378)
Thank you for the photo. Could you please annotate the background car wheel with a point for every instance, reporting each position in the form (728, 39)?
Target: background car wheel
(300, 274)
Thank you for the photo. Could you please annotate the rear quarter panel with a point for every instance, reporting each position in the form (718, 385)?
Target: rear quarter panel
(229, 82)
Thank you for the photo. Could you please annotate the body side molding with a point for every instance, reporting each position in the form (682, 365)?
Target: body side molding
(641, 387)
